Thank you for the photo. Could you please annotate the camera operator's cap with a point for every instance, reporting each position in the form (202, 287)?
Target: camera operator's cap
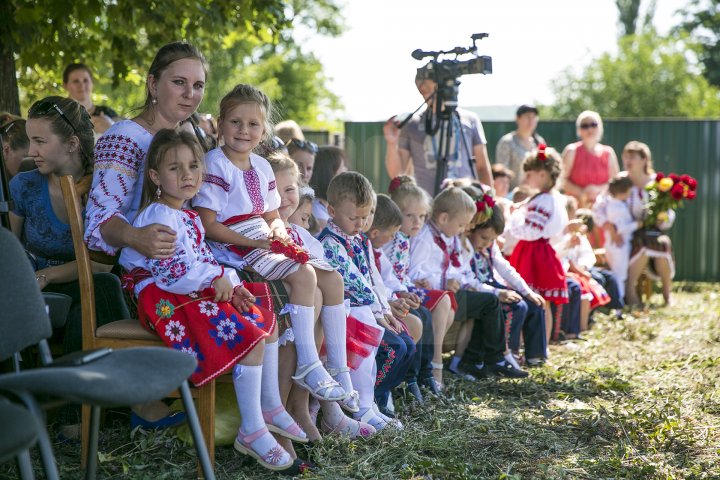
(523, 109)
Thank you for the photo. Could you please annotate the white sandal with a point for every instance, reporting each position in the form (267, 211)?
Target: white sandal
(327, 385)
(352, 402)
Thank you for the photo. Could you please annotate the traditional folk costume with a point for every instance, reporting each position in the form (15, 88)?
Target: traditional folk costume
(437, 258)
(583, 256)
(536, 223)
(175, 297)
(491, 272)
(240, 198)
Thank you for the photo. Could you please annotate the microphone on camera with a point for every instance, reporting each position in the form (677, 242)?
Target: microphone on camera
(420, 54)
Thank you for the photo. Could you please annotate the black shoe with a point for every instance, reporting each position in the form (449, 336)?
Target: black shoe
(470, 371)
(414, 390)
(504, 369)
(432, 385)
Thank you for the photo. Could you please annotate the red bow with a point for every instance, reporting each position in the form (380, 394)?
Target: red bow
(394, 184)
(541, 155)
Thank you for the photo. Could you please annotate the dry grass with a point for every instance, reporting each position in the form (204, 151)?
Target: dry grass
(638, 399)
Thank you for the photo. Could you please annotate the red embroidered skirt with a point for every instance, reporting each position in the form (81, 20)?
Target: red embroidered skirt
(591, 286)
(538, 264)
(430, 298)
(216, 334)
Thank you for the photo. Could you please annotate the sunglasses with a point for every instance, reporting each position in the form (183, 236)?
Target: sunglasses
(9, 126)
(586, 126)
(303, 145)
(45, 107)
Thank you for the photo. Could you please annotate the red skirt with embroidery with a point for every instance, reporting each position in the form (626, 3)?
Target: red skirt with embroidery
(430, 298)
(538, 264)
(591, 286)
(216, 334)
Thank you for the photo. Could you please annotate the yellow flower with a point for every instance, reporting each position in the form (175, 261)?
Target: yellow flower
(662, 216)
(665, 184)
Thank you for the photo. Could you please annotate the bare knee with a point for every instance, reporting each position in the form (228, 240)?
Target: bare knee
(303, 277)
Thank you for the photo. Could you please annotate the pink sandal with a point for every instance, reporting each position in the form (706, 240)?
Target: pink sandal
(293, 432)
(365, 430)
(270, 459)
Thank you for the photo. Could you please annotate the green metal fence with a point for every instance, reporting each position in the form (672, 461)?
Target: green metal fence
(682, 146)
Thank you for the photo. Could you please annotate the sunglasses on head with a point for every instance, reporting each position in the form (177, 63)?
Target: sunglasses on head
(45, 107)
(586, 126)
(303, 145)
(9, 126)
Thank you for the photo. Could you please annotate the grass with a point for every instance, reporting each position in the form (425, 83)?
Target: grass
(638, 399)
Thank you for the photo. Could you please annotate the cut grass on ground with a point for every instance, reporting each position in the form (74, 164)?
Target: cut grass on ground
(639, 398)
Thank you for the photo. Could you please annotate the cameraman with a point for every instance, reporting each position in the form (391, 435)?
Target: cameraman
(413, 143)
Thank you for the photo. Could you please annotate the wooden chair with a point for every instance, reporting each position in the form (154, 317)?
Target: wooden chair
(121, 333)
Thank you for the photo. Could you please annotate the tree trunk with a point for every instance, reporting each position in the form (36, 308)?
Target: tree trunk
(9, 94)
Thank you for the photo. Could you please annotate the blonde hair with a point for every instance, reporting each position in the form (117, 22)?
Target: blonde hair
(453, 201)
(551, 163)
(351, 186)
(643, 151)
(289, 129)
(593, 116)
(403, 190)
(243, 93)
(280, 162)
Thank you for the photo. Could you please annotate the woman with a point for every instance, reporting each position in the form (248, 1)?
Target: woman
(15, 144)
(513, 147)
(650, 248)
(174, 89)
(588, 165)
(78, 83)
(61, 143)
(329, 163)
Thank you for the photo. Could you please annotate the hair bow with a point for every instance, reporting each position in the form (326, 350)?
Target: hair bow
(541, 155)
(394, 184)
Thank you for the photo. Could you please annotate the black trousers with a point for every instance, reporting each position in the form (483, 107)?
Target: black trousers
(487, 341)
(420, 366)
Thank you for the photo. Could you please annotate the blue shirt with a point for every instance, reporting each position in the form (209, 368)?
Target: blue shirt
(43, 234)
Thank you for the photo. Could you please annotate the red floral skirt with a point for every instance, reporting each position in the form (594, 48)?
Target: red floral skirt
(591, 286)
(430, 298)
(538, 264)
(216, 334)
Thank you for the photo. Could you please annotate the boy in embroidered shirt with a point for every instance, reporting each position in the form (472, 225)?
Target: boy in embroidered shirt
(435, 262)
(350, 200)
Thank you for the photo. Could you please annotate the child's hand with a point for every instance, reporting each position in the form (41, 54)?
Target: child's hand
(242, 299)
(389, 322)
(617, 239)
(422, 283)
(574, 225)
(263, 243)
(508, 296)
(411, 299)
(223, 289)
(536, 299)
(279, 233)
(452, 285)
(586, 273)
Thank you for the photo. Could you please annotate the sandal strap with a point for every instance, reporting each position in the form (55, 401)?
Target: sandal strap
(270, 414)
(337, 371)
(248, 439)
(306, 369)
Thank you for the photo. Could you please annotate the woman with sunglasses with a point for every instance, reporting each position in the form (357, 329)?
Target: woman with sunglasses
(588, 165)
(61, 143)
(303, 152)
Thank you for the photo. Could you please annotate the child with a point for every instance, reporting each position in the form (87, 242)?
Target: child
(507, 242)
(350, 199)
(198, 307)
(617, 212)
(524, 309)
(238, 204)
(539, 220)
(303, 213)
(405, 360)
(435, 256)
(330, 161)
(414, 206)
(287, 178)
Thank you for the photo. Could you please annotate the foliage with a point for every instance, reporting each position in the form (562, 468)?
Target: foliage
(628, 11)
(638, 399)
(667, 193)
(243, 40)
(702, 21)
(650, 76)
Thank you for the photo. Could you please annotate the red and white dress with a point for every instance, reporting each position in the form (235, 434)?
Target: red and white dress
(240, 198)
(436, 258)
(176, 299)
(538, 221)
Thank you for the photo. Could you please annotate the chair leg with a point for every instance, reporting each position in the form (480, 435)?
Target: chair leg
(91, 468)
(24, 465)
(192, 418)
(44, 444)
(84, 435)
(206, 412)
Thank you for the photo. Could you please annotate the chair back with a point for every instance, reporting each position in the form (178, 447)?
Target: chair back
(23, 319)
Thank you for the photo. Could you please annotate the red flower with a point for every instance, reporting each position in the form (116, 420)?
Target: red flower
(659, 176)
(489, 200)
(674, 177)
(394, 184)
(480, 206)
(691, 195)
(676, 192)
(685, 178)
(692, 184)
(541, 155)
(276, 246)
(302, 257)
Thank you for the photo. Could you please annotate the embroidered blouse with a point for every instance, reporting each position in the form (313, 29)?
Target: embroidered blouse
(304, 239)
(430, 261)
(346, 255)
(117, 179)
(191, 269)
(543, 216)
(490, 266)
(619, 214)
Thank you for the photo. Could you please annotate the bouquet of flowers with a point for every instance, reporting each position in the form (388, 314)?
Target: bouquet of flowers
(667, 193)
(290, 250)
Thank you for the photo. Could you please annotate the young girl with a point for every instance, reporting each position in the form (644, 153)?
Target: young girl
(198, 307)
(414, 205)
(539, 220)
(302, 215)
(329, 162)
(238, 204)
(287, 177)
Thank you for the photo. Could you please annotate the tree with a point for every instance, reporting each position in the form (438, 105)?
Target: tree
(119, 40)
(649, 77)
(628, 11)
(702, 22)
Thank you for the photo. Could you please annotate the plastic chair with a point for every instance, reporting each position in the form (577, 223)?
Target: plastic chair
(101, 378)
(20, 432)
